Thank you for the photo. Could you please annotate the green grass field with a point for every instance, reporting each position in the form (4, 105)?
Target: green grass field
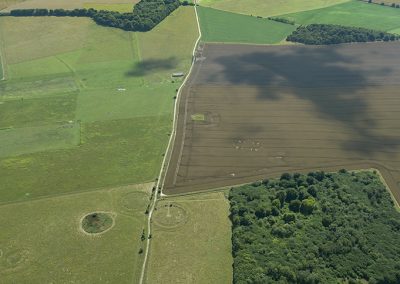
(221, 26)
(191, 240)
(41, 241)
(354, 13)
(18, 141)
(268, 7)
(85, 113)
(115, 84)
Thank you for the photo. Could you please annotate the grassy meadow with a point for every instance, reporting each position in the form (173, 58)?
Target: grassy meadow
(353, 13)
(113, 5)
(41, 241)
(268, 7)
(85, 113)
(191, 240)
(114, 87)
(221, 26)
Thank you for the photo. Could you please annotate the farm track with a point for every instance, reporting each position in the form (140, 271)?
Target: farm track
(167, 156)
(272, 109)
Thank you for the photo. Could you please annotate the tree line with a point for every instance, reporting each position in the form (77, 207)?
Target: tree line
(315, 228)
(144, 17)
(319, 34)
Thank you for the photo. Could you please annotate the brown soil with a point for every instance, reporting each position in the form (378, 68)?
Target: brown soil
(272, 109)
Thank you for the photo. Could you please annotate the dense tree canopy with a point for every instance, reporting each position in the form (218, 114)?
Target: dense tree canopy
(145, 16)
(317, 34)
(315, 228)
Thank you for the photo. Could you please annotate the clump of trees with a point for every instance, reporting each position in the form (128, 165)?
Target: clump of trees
(318, 34)
(145, 16)
(282, 20)
(315, 228)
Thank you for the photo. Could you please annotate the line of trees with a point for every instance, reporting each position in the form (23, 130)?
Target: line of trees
(316, 228)
(393, 5)
(318, 34)
(144, 17)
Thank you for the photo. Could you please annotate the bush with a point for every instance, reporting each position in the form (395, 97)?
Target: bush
(282, 20)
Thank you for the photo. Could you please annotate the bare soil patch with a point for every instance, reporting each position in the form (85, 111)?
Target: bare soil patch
(272, 109)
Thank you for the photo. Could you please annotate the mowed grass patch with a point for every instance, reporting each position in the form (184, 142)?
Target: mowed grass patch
(112, 153)
(18, 141)
(353, 13)
(38, 87)
(221, 26)
(268, 7)
(39, 111)
(127, 102)
(52, 247)
(191, 240)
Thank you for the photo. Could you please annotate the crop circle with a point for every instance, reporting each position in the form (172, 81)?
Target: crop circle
(170, 215)
(97, 222)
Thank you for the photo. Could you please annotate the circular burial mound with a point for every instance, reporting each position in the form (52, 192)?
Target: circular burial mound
(96, 222)
(170, 215)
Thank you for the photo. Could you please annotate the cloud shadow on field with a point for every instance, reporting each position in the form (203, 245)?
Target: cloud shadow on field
(146, 67)
(328, 77)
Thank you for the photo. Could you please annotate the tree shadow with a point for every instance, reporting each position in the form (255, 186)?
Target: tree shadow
(333, 79)
(145, 67)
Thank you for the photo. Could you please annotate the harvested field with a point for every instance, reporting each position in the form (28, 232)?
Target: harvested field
(271, 109)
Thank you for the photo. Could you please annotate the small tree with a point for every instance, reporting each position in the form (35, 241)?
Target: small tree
(295, 205)
(291, 194)
(289, 217)
(307, 206)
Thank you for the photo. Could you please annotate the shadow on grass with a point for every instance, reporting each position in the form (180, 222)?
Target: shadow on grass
(334, 79)
(146, 67)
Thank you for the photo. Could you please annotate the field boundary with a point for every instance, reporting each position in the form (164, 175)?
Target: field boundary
(2, 58)
(274, 15)
(160, 180)
(64, 194)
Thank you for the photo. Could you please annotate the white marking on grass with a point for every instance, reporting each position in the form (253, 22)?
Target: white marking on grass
(160, 181)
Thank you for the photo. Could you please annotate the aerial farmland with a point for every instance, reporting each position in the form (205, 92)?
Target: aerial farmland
(211, 141)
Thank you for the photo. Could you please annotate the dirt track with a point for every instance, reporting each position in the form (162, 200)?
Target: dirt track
(271, 109)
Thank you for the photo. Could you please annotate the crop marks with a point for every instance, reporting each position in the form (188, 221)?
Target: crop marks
(190, 240)
(275, 109)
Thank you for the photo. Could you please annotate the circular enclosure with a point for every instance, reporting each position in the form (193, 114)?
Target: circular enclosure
(97, 222)
(170, 215)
